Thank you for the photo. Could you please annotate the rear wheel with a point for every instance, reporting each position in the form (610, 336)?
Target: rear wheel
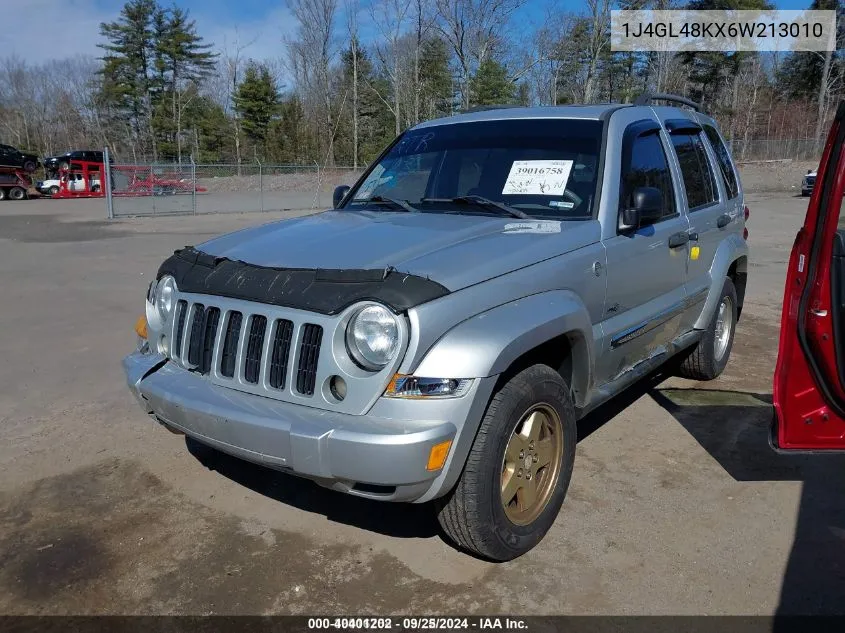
(708, 358)
(17, 193)
(29, 165)
(2, 194)
(54, 190)
(518, 470)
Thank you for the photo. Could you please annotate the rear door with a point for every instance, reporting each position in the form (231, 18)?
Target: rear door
(809, 383)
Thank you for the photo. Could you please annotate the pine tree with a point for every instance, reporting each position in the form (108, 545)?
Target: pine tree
(490, 85)
(127, 69)
(257, 102)
(183, 59)
(437, 95)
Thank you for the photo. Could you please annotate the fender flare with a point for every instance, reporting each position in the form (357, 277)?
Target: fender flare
(488, 343)
(728, 252)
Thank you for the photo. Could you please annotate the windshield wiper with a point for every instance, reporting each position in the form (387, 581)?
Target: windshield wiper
(483, 202)
(402, 204)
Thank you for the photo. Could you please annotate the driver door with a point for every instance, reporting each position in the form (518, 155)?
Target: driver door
(809, 382)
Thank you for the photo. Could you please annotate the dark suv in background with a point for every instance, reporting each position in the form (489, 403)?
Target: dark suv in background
(63, 161)
(12, 157)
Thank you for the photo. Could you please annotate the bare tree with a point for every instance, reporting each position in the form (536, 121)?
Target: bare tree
(390, 18)
(352, 8)
(310, 55)
(473, 29)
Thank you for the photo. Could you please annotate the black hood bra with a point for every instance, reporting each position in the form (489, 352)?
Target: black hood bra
(318, 290)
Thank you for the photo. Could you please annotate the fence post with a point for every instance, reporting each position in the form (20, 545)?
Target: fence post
(260, 184)
(107, 183)
(193, 186)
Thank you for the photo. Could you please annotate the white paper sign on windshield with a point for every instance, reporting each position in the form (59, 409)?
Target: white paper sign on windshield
(538, 177)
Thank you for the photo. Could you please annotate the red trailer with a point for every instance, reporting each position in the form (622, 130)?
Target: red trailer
(84, 179)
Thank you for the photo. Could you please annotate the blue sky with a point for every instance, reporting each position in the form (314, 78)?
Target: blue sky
(58, 28)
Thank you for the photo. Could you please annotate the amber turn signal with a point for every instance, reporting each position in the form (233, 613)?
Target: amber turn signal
(141, 327)
(437, 455)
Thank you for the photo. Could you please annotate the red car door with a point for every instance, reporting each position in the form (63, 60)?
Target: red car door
(809, 382)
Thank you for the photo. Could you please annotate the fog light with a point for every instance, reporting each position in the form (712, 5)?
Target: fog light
(163, 345)
(437, 455)
(337, 386)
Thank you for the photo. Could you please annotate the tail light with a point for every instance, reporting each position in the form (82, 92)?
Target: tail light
(747, 213)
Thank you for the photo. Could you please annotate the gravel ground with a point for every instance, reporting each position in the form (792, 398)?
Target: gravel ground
(677, 504)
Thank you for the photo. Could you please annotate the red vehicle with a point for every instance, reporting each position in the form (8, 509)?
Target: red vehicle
(809, 383)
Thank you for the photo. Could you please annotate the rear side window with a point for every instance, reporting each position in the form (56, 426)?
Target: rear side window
(695, 169)
(723, 157)
(648, 168)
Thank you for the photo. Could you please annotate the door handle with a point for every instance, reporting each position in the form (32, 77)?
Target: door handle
(723, 220)
(678, 239)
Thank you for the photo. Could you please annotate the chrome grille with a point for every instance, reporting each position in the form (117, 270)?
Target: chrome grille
(254, 347)
(248, 349)
(280, 353)
(309, 353)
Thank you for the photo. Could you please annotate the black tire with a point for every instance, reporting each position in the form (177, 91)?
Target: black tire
(473, 515)
(64, 165)
(17, 193)
(54, 190)
(2, 193)
(29, 166)
(703, 362)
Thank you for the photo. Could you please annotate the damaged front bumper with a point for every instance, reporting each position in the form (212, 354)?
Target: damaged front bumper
(380, 455)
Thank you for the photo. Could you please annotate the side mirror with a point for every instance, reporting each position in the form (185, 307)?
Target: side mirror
(338, 194)
(646, 208)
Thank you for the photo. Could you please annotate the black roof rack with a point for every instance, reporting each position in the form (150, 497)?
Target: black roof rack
(647, 97)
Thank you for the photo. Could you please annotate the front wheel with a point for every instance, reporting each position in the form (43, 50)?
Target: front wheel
(518, 470)
(708, 358)
(54, 190)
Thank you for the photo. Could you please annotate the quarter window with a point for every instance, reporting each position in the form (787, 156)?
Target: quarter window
(723, 157)
(647, 167)
(698, 177)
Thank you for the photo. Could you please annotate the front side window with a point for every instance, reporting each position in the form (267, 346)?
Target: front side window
(546, 168)
(648, 167)
(698, 177)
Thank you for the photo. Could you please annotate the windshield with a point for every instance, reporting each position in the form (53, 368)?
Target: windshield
(544, 168)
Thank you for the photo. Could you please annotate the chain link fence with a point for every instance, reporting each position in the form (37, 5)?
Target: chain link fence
(776, 149)
(170, 189)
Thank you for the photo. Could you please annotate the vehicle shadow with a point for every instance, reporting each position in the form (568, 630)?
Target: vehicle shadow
(733, 427)
(401, 520)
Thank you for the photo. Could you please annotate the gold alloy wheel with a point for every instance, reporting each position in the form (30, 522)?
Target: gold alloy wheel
(531, 466)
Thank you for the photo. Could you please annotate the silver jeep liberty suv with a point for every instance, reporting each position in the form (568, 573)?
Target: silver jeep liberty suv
(490, 279)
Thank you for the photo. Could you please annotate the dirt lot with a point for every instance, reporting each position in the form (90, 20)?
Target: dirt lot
(677, 503)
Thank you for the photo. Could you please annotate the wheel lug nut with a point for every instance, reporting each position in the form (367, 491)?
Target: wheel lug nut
(521, 454)
(519, 473)
(531, 445)
(528, 475)
(536, 459)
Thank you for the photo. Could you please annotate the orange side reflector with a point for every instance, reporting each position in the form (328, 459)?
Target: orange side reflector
(438, 454)
(141, 327)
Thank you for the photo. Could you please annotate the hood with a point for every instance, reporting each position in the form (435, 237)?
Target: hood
(453, 250)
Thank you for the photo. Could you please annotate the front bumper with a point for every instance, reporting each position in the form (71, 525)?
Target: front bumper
(380, 455)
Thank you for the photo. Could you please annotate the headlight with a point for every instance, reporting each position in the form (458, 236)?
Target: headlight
(160, 301)
(372, 337)
(164, 300)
